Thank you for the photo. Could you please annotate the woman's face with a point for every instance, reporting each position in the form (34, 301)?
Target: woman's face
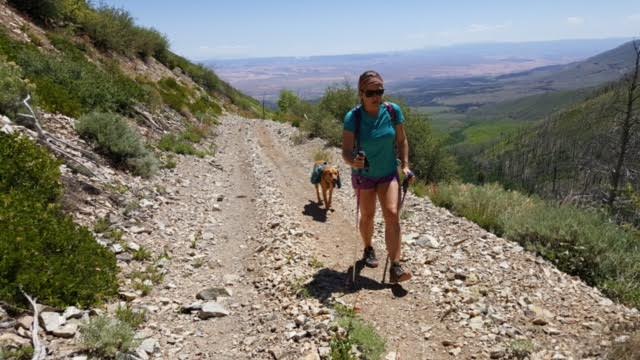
(371, 95)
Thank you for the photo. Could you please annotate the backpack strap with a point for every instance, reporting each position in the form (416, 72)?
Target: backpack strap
(392, 112)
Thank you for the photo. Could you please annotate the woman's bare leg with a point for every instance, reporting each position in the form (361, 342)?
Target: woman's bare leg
(367, 213)
(388, 197)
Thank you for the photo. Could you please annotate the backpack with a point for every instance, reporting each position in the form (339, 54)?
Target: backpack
(358, 114)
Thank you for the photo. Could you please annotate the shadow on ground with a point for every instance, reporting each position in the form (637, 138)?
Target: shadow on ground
(313, 209)
(326, 282)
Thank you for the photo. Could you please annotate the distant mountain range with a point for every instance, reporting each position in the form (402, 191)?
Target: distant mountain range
(476, 91)
(403, 70)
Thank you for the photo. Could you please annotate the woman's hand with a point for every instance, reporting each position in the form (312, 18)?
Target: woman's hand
(358, 162)
(408, 174)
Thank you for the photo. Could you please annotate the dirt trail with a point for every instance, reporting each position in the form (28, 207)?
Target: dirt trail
(247, 220)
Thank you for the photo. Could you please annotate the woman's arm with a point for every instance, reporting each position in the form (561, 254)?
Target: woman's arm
(347, 151)
(403, 146)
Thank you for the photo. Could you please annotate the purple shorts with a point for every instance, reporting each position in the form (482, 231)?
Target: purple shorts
(364, 183)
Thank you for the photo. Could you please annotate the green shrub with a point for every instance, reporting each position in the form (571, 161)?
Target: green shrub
(69, 83)
(40, 10)
(429, 160)
(26, 168)
(106, 338)
(145, 166)
(359, 333)
(319, 123)
(195, 134)
(174, 94)
(204, 105)
(178, 145)
(133, 318)
(50, 257)
(23, 353)
(41, 249)
(583, 243)
(337, 101)
(14, 88)
(114, 138)
(210, 81)
(111, 28)
(142, 254)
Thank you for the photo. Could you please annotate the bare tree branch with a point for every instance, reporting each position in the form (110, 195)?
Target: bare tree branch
(39, 349)
(55, 144)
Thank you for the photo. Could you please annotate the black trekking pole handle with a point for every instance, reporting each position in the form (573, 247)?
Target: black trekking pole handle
(405, 182)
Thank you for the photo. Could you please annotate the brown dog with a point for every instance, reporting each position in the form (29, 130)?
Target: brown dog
(329, 179)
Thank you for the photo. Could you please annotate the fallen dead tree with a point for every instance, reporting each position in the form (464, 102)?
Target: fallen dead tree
(58, 146)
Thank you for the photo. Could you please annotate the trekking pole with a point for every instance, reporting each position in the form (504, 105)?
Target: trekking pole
(405, 187)
(355, 251)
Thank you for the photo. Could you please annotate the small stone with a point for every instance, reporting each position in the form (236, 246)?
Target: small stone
(212, 293)
(539, 321)
(133, 246)
(67, 331)
(497, 354)
(72, 312)
(51, 320)
(128, 296)
(212, 309)
(149, 346)
(117, 248)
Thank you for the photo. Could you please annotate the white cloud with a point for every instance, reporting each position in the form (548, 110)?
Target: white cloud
(575, 20)
(475, 28)
(634, 17)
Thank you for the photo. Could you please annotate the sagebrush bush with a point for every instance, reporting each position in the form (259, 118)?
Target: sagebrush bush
(145, 166)
(112, 135)
(114, 138)
(130, 316)
(14, 88)
(41, 250)
(106, 338)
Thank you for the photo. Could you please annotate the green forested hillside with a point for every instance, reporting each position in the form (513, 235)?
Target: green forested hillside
(572, 154)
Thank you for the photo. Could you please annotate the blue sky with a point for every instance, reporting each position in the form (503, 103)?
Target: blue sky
(201, 29)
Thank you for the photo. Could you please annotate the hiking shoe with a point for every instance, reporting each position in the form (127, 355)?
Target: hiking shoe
(369, 257)
(398, 274)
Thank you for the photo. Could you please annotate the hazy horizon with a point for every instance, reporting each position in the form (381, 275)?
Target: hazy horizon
(202, 30)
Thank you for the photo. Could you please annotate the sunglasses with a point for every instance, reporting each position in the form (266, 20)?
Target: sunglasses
(372, 93)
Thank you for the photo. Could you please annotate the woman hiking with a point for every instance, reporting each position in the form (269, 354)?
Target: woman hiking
(373, 130)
